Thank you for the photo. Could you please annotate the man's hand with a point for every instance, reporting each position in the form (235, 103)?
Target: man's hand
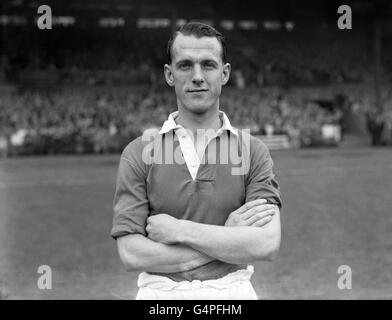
(162, 228)
(255, 213)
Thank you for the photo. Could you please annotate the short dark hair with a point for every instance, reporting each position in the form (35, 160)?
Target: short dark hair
(198, 30)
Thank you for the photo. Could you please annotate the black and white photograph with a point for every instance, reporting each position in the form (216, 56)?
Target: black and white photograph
(195, 150)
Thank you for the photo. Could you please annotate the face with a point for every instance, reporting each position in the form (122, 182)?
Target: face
(197, 72)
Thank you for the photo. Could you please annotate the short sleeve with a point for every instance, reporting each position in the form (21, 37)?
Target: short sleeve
(130, 204)
(260, 181)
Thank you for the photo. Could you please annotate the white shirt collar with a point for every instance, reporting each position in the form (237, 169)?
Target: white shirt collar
(170, 123)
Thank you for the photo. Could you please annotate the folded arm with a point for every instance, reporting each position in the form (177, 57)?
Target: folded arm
(194, 244)
(238, 244)
(233, 244)
(137, 252)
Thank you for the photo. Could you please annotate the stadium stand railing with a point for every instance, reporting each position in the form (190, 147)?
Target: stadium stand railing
(275, 142)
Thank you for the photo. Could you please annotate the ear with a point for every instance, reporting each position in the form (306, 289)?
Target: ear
(226, 73)
(169, 75)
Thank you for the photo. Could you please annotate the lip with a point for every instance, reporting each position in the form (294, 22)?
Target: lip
(197, 90)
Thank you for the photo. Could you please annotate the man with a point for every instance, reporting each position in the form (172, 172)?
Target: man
(193, 227)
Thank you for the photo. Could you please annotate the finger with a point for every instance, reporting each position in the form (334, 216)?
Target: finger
(262, 222)
(259, 216)
(256, 210)
(250, 205)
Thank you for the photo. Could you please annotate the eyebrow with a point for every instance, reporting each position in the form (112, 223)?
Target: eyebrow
(189, 61)
(183, 61)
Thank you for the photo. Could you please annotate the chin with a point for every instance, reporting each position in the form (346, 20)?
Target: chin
(199, 109)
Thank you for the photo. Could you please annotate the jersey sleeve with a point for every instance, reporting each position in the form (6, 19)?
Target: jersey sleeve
(260, 181)
(130, 204)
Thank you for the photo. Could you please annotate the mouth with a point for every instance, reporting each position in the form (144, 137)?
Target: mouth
(196, 90)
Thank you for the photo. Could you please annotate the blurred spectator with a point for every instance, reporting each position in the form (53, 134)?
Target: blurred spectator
(303, 56)
(375, 125)
(106, 119)
(120, 76)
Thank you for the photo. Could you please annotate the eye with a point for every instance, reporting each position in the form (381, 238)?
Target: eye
(184, 66)
(209, 65)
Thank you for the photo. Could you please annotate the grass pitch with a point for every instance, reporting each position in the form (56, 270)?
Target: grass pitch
(57, 211)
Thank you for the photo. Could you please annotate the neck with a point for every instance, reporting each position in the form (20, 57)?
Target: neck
(194, 121)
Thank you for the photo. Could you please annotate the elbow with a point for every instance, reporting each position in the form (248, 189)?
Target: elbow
(131, 265)
(273, 249)
(271, 254)
(130, 261)
(269, 251)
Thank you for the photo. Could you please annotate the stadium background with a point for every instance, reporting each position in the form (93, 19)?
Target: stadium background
(72, 97)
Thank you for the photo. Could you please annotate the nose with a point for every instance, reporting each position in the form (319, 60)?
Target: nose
(198, 77)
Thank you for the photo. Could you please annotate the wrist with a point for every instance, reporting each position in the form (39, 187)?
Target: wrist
(181, 231)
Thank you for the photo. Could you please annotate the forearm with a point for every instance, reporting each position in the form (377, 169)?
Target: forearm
(140, 253)
(230, 244)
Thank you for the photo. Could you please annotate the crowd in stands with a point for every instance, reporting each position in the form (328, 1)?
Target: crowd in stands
(105, 120)
(119, 89)
(271, 58)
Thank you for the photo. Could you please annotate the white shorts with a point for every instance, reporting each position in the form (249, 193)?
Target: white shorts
(233, 286)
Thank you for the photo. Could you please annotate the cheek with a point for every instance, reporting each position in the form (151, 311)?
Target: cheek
(180, 82)
(216, 85)
(181, 77)
(179, 90)
(215, 80)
